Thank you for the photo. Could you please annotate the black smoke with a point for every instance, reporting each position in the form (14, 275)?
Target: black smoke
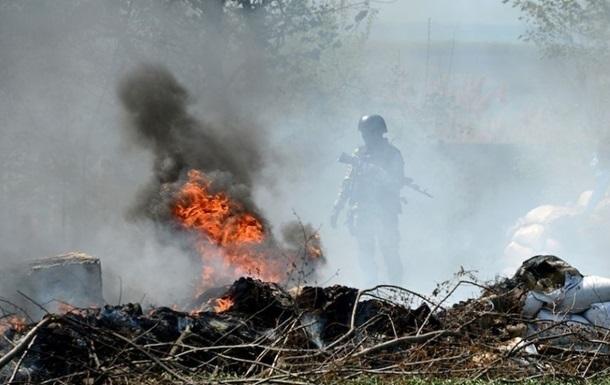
(157, 107)
(229, 150)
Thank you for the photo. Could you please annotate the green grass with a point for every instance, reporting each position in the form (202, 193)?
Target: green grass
(365, 380)
(362, 380)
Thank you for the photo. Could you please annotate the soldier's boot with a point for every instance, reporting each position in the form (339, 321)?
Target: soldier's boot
(389, 241)
(394, 266)
(366, 257)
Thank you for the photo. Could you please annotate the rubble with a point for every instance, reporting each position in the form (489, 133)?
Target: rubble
(69, 280)
(263, 332)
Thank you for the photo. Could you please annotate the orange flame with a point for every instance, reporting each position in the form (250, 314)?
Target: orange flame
(65, 308)
(313, 248)
(223, 304)
(13, 322)
(228, 235)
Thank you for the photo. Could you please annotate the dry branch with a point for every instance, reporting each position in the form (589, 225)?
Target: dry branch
(366, 332)
(24, 342)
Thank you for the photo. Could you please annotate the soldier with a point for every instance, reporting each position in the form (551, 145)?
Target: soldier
(372, 191)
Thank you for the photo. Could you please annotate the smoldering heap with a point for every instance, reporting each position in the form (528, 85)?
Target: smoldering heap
(201, 191)
(314, 335)
(263, 327)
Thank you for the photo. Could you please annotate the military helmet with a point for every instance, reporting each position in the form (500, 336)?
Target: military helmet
(372, 123)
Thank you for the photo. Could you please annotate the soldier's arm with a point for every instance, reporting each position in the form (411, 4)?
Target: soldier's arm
(345, 191)
(344, 194)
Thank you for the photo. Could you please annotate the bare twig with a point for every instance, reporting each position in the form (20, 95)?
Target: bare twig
(24, 343)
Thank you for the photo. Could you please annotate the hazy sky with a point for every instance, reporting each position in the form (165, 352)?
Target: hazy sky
(447, 11)
(480, 20)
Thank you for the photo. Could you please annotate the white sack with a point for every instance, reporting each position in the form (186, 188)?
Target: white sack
(590, 290)
(559, 335)
(577, 295)
(599, 314)
(555, 298)
(531, 306)
(547, 315)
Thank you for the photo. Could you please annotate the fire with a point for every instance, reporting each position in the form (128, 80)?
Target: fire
(313, 248)
(223, 304)
(229, 237)
(14, 322)
(65, 308)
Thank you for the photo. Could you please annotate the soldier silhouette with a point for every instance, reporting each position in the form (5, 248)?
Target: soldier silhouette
(371, 191)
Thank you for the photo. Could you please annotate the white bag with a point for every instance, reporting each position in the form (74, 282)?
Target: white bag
(567, 335)
(531, 306)
(590, 290)
(547, 315)
(599, 314)
(555, 298)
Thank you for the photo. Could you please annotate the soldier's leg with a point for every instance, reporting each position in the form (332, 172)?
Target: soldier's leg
(366, 258)
(363, 231)
(389, 244)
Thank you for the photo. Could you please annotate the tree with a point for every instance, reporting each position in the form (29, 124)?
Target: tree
(568, 27)
(61, 59)
(285, 40)
(578, 33)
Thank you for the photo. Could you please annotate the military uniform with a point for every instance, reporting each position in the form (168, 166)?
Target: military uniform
(371, 191)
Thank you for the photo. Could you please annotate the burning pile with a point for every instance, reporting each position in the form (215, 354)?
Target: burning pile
(264, 325)
(261, 332)
(202, 190)
(229, 236)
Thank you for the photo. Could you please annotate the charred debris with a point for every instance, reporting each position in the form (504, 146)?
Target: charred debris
(262, 331)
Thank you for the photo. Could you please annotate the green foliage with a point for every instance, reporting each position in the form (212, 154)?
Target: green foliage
(578, 33)
(567, 27)
(283, 36)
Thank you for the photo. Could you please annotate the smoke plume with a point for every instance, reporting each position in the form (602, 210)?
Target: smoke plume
(221, 158)
(159, 120)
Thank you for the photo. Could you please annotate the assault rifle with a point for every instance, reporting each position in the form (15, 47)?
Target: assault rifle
(356, 162)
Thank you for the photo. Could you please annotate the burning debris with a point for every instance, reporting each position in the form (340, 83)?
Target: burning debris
(232, 239)
(72, 278)
(237, 337)
(261, 331)
(202, 189)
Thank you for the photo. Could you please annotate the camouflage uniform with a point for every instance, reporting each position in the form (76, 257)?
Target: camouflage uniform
(371, 190)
